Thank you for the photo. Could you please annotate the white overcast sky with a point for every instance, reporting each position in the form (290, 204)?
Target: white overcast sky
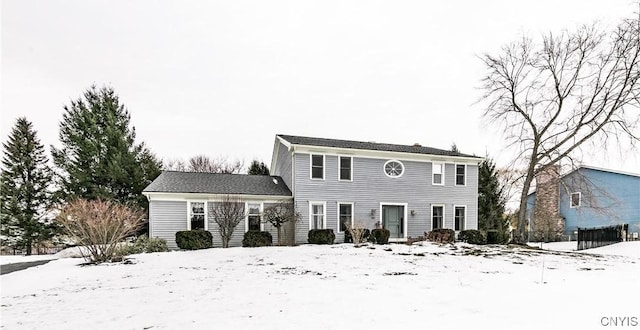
(221, 78)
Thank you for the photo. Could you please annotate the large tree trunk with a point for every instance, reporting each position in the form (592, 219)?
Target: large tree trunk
(279, 236)
(520, 236)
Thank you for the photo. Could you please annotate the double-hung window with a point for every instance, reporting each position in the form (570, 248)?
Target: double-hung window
(459, 215)
(437, 216)
(461, 175)
(438, 173)
(197, 215)
(576, 200)
(317, 167)
(253, 217)
(345, 164)
(345, 216)
(316, 215)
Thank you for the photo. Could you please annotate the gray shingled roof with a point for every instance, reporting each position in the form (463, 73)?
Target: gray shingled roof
(215, 183)
(312, 141)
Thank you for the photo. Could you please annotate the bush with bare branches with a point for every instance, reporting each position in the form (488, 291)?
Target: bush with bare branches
(358, 232)
(99, 226)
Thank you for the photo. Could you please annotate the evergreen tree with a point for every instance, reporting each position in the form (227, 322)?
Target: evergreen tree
(99, 158)
(24, 193)
(491, 203)
(258, 168)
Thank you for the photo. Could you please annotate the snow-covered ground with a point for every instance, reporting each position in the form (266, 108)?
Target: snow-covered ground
(329, 287)
(629, 249)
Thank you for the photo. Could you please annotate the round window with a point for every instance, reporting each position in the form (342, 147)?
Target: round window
(393, 168)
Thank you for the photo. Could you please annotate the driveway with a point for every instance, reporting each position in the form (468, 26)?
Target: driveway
(10, 268)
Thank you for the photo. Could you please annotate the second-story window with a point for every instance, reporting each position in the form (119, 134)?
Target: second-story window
(317, 167)
(460, 175)
(438, 173)
(345, 168)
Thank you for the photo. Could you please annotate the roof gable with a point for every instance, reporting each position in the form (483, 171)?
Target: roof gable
(347, 144)
(218, 183)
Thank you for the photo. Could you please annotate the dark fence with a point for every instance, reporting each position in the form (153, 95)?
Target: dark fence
(594, 237)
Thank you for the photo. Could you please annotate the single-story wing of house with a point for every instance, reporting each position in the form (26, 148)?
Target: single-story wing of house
(184, 201)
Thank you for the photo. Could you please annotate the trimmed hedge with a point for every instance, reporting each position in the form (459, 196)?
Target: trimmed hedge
(441, 235)
(194, 239)
(144, 244)
(349, 239)
(254, 238)
(321, 236)
(380, 236)
(472, 236)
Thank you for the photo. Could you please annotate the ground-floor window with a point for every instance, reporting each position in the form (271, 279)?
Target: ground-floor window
(345, 216)
(197, 215)
(460, 213)
(253, 217)
(316, 215)
(437, 216)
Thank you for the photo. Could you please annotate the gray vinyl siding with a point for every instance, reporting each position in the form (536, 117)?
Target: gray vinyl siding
(167, 218)
(283, 165)
(370, 187)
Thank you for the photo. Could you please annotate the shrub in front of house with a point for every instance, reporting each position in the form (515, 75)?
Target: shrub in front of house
(349, 239)
(257, 238)
(472, 236)
(194, 239)
(380, 236)
(441, 235)
(144, 244)
(321, 236)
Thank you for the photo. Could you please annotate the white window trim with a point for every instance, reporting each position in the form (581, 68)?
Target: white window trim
(444, 216)
(455, 170)
(433, 173)
(324, 213)
(404, 222)
(352, 215)
(464, 224)
(384, 168)
(206, 213)
(324, 167)
(340, 169)
(571, 200)
(246, 216)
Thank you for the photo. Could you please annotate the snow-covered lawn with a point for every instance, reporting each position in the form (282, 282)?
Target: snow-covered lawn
(329, 287)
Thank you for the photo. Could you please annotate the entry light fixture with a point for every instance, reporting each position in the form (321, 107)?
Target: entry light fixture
(413, 212)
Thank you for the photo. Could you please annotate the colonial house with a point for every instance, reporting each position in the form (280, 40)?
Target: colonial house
(587, 197)
(407, 189)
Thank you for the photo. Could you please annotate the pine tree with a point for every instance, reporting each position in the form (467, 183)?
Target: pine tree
(99, 158)
(491, 203)
(258, 168)
(24, 192)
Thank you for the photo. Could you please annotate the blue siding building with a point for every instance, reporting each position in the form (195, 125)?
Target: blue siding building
(595, 197)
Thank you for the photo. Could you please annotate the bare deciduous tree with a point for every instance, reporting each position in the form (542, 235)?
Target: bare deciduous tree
(204, 164)
(279, 215)
(554, 96)
(98, 226)
(227, 214)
